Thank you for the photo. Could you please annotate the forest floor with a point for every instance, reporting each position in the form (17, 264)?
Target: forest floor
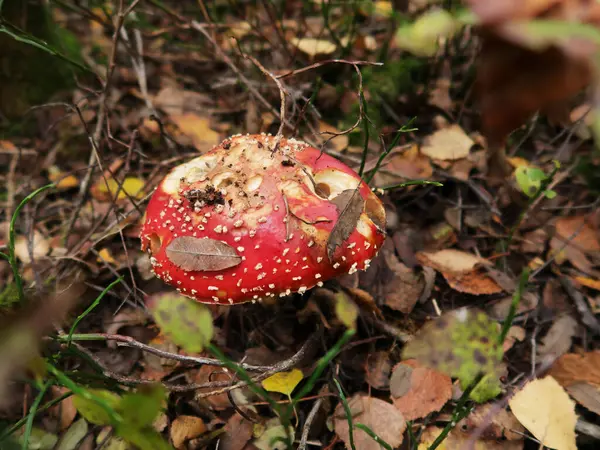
(151, 85)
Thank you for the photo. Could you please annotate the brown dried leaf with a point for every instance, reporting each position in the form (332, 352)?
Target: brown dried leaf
(428, 392)
(559, 338)
(405, 289)
(350, 204)
(190, 253)
(498, 422)
(457, 440)
(238, 431)
(587, 395)
(380, 416)
(576, 239)
(573, 368)
(185, 428)
(378, 369)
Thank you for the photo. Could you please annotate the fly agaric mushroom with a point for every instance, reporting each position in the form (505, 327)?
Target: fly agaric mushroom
(256, 218)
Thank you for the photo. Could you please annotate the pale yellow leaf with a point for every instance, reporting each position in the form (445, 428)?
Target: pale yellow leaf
(312, 46)
(105, 190)
(284, 382)
(545, 409)
(197, 128)
(451, 260)
(39, 246)
(449, 143)
(339, 142)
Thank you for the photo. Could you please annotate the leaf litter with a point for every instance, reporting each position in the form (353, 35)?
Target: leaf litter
(175, 92)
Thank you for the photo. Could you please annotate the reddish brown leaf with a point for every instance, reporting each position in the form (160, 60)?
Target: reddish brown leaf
(429, 391)
(573, 368)
(378, 368)
(190, 253)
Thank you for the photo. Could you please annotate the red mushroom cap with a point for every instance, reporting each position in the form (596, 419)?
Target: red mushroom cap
(247, 221)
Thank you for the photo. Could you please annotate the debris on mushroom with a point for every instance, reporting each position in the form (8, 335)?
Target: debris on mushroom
(252, 219)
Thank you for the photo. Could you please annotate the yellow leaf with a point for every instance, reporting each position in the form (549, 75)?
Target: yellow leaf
(105, 190)
(197, 128)
(105, 255)
(61, 181)
(545, 409)
(346, 310)
(284, 382)
(313, 47)
(447, 144)
(517, 161)
(589, 282)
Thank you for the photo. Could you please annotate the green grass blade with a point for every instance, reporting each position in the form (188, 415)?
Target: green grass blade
(34, 407)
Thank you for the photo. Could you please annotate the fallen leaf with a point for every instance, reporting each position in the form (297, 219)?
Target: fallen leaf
(409, 164)
(202, 254)
(60, 180)
(175, 101)
(559, 338)
(573, 368)
(515, 334)
(187, 323)
(497, 423)
(273, 430)
(350, 204)
(588, 282)
(197, 128)
(457, 440)
(340, 143)
(447, 144)
(405, 289)
(238, 431)
(462, 344)
(460, 271)
(283, 382)
(378, 368)
(91, 411)
(105, 255)
(106, 190)
(65, 411)
(587, 395)
(545, 409)
(345, 309)
(71, 439)
(313, 47)
(185, 428)
(428, 391)
(575, 239)
(39, 246)
(500, 309)
(380, 416)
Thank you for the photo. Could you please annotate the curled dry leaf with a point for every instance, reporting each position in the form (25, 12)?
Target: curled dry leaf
(428, 390)
(313, 47)
(448, 144)
(339, 142)
(197, 128)
(380, 416)
(460, 271)
(350, 204)
(545, 409)
(405, 289)
(203, 254)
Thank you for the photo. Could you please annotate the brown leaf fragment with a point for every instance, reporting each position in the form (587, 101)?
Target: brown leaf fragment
(405, 289)
(587, 395)
(185, 428)
(428, 392)
(350, 204)
(457, 440)
(238, 431)
(573, 368)
(559, 338)
(498, 422)
(380, 416)
(195, 254)
(378, 368)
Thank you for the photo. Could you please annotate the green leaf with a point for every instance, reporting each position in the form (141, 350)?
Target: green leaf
(91, 411)
(422, 36)
(529, 179)
(273, 438)
(550, 194)
(488, 388)
(141, 408)
(462, 344)
(144, 439)
(185, 322)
